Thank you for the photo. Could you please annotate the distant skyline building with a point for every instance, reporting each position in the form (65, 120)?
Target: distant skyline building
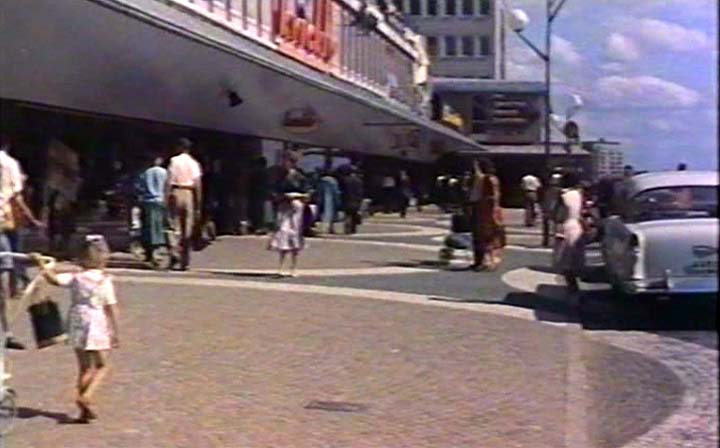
(607, 161)
(462, 35)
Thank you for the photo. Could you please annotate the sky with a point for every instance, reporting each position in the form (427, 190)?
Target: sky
(645, 69)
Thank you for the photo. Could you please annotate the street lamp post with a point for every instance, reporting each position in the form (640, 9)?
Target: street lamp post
(518, 20)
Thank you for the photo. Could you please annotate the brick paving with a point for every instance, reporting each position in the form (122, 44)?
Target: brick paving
(251, 253)
(232, 368)
(203, 365)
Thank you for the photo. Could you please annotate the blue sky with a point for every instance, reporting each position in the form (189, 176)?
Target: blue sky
(646, 70)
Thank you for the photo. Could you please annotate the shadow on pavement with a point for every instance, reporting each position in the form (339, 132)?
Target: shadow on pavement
(434, 264)
(59, 417)
(249, 274)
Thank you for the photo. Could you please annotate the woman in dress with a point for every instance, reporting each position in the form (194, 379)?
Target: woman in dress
(92, 318)
(486, 218)
(569, 251)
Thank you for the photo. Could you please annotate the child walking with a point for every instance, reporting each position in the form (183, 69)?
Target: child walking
(289, 237)
(92, 319)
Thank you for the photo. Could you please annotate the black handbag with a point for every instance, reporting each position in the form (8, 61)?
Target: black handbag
(47, 324)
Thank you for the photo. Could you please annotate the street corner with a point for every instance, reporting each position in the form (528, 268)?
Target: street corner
(399, 367)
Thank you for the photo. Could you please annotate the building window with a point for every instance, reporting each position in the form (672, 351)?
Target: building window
(432, 7)
(432, 46)
(479, 115)
(450, 46)
(450, 8)
(467, 7)
(415, 7)
(468, 46)
(484, 7)
(484, 45)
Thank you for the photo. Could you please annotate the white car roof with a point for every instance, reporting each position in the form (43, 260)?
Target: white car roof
(661, 179)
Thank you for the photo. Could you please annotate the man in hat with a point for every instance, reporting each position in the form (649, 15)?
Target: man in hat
(184, 191)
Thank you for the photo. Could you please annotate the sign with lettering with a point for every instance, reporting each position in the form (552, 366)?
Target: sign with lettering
(301, 119)
(306, 37)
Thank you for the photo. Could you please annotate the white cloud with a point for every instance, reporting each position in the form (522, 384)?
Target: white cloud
(664, 125)
(670, 36)
(564, 51)
(642, 91)
(687, 8)
(621, 48)
(614, 67)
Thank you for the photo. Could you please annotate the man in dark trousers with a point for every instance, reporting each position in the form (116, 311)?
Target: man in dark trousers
(352, 197)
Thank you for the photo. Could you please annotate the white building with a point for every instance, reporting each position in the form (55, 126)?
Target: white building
(607, 161)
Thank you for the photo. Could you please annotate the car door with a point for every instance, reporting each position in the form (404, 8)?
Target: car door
(619, 243)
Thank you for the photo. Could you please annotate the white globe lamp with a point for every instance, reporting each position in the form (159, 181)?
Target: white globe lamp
(518, 20)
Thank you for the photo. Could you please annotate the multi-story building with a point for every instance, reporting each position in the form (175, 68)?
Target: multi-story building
(465, 44)
(309, 72)
(106, 83)
(466, 47)
(114, 79)
(461, 35)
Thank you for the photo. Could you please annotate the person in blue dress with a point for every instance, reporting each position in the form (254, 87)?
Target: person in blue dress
(151, 189)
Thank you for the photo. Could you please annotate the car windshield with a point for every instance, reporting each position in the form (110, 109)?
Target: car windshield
(680, 202)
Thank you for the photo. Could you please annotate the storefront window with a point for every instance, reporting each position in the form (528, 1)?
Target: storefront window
(450, 46)
(432, 46)
(468, 46)
(484, 7)
(467, 7)
(415, 7)
(450, 8)
(484, 45)
(479, 115)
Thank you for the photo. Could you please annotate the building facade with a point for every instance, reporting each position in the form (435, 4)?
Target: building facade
(466, 50)
(462, 36)
(240, 78)
(310, 72)
(607, 161)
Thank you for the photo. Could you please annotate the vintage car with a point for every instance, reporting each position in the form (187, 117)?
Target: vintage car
(663, 236)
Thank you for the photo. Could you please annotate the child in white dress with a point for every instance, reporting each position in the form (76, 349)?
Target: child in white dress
(92, 319)
(289, 238)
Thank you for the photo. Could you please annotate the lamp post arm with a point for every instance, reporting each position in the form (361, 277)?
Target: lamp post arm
(555, 12)
(532, 46)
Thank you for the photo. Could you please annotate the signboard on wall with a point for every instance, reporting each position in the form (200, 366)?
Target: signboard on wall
(300, 120)
(304, 31)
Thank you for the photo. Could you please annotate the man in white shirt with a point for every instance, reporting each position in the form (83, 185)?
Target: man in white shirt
(530, 185)
(12, 210)
(184, 190)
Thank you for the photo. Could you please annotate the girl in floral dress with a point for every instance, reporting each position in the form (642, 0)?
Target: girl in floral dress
(92, 319)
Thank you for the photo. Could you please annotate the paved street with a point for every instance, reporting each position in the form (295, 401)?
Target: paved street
(406, 352)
